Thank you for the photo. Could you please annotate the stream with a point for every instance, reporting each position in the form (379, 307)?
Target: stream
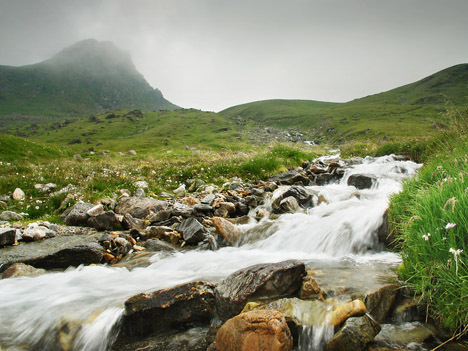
(337, 237)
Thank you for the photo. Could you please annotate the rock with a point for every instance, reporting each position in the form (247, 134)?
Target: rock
(361, 181)
(95, 211)
(289, 178)
(289, 204)
(355, 334)
(132, 153)
(402, 334)
(141, 184)
(203, 209)
(225, 209)
(251, 201)
(208, 199)
(22, 270)
(261, 280)
(180, 191)
(227, 230)
(140, 193)
(343, 311)
(408, 310)
(327, 178)
(18, 195)
(35, 232)
(10, 216)
(45, 188)
(384, 234)
(255, 330)
(192, 230)
(180, 209)
(105, 221)
(380, 302)
(175, 308)
(139, 208)
(158, 245)
(300, 194)
(160, 216)
(310, 289)
(156, 231)
(7, 236)
(129, 222)
(77, 215)
(190, 201)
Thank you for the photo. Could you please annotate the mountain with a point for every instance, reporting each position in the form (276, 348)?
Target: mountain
(413, 110)
(87, 77)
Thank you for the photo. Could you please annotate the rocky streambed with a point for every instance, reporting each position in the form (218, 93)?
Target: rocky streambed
(298, 261)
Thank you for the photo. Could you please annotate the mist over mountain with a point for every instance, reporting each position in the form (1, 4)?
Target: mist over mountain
(87, 77)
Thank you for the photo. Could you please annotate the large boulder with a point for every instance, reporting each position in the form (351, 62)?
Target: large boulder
(361, 181)
(10, 216)
(290, 178)
(35, 232)
(7, 236)
(176, 308)
(77, 215)
(139, 207)
(227, 230)
(59, 252)
(380, 302)
(355, 334)
(258, 281)
(192, 230)
(255, 330)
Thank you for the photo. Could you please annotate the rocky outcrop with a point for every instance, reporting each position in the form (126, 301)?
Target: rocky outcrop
(255, 330)
(355, 334)
(177, 308)
(261, 280)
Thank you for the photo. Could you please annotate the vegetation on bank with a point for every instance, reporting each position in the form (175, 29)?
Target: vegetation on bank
(430, 221)
(95, 177)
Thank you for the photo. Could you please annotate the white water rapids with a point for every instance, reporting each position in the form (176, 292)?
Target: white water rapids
(341, 231)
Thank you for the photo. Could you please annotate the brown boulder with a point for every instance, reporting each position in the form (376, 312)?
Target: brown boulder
(380, 302)
(256, 330)
(227, 230)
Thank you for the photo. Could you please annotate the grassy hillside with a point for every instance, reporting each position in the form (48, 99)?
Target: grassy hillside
(87, 77)
(19, 150)
(148, 132)
(417, 109)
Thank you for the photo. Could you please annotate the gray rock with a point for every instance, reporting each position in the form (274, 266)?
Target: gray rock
(35, 232)
(158, 245)
(192, 230)
(18, 195)
(300, 193)
(140, 193)
(129, 222)
(289, 204)
(208, 199)
(361, 181)
(95, 211)
(355, 334)
(59, 252)
(176, 308)
(77, 215)
(289, 178)
(380, 302)
(45, 188)
(139, 208)
(105, 221)
(7, 236)
(10, 216)
(203, 208)
(256, 282)
(141, 184)
(183, 210)
(160, 216)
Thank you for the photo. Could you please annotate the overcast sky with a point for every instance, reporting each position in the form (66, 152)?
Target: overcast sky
(212, 54)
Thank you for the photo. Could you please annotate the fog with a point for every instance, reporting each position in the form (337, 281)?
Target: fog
(212, 54)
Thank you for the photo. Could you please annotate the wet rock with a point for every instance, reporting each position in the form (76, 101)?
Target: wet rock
(227, 230)
(192, 230)
(403, 334)
(178, 308)
(7, 236)
(262, 280)
(18, 195)
(355, 334)
(300, 194)
(241, 209)
(139, 207)
(156, 231)
(327, 178)
(77, 215)
(289, 204)
(256, 330)
(194, 339)
(384, 234)
(96, 210)
(343, 311)
(310, 289)
(408, 310)
(361, 181)
(289, 178)
(22, 270)
(10, 216)
(251, 201)
(35, 232)
(158, 245)
(105, 221)
(380, 302)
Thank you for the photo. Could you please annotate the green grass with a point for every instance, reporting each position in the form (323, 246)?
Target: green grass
(419, 216)
(19, 150)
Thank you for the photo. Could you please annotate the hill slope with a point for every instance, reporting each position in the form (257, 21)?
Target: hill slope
(412, 110)
(88, 77)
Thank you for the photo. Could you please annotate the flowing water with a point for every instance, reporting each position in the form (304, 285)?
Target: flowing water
(336, 237)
